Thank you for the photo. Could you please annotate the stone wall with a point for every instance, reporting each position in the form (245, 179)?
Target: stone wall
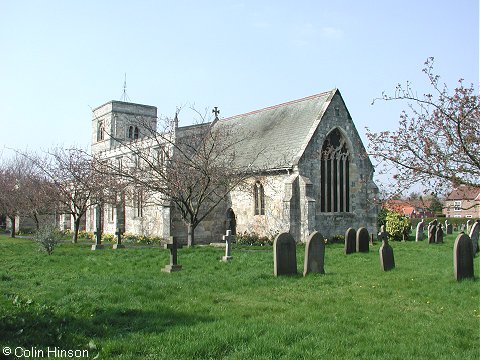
(276, 219)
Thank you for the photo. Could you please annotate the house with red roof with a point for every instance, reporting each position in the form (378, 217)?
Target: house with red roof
(463, 202)
(409, 208)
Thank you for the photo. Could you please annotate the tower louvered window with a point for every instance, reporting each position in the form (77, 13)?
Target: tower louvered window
(335, 174)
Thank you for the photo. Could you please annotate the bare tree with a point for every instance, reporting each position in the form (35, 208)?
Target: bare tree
(437, 143)
(75, 184)
(193, 168)
(11, 203)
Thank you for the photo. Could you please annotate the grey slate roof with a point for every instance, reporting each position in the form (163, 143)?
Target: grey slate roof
(275, 137)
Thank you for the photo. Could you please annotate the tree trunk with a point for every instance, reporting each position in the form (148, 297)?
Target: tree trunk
(76, 226)
(191, 235)
(13, 220)
(37, 221)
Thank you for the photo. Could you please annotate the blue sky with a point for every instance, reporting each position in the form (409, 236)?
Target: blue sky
(59, 59)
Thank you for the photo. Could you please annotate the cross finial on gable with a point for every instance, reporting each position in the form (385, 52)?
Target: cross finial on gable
(216, 112)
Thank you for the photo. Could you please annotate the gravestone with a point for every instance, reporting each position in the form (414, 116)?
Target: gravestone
(449, 229)
(173, 246)
(314, 254)
(98, 226)
(362, 240)
(432, 231)
(228, 238)
(463, 257)
(119, 244)
(474, 235)
(350, 241)
(387, 261)
(371, 239)
(469, 226)
(439, 235)
(382, 235)
(284, 255)
(420, 228)
(462, 228)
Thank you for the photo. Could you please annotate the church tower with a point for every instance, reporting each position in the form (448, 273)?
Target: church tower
(120, 121)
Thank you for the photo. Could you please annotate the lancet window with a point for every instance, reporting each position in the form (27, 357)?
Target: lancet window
(259, 198)
(100, 131)
(335, 174)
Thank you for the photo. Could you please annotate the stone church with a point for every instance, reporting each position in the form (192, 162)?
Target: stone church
(301, 187)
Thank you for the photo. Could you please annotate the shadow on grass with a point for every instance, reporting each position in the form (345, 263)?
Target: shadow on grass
(33, 326)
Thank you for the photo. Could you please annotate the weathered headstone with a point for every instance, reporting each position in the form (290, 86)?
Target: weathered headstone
(387, 261)
(98, 229)
(469, 226)
(449, 229)
(350, 241)
(98, 240)
(119, 244)
(474, 235)
(314, 254)
(228, 238)
(371, 239)
(284, 255)
(463, 257)
(420, 229)
(362, 240)
(439, 235)
(432, 231)
(382, 235)
(173, 246)
(462, 228)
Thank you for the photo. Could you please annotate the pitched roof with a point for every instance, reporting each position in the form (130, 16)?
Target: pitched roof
(275, 137)
(465, 193)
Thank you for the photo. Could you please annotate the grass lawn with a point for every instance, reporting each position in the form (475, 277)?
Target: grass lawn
(119, 305)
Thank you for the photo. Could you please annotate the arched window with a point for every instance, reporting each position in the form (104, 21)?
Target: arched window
(335, 174)
(135, 133)
(130, 132)
(259, 196)
(100, 131)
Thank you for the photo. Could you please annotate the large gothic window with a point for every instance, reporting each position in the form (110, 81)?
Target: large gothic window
(335, 175)
(259, 198)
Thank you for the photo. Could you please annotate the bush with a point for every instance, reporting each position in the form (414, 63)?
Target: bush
(86, 235)
(382, 218)
(397, 226)
(47, 238)
(141, 239)
(252, 239)
(336, 239)
(108, 238)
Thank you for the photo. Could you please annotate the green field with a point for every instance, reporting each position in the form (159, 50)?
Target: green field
(119, 305)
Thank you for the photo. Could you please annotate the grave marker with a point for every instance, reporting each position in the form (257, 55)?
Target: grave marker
(173, 246)
(350, 241)
(387, 261)
(474, 235)
(119, 244)
(284, 255)
(227, 238)
(463, 257)
(314, 254)
(362, 240)
(420, 228)
(98, 232)
(439, 235)
(432, 230)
